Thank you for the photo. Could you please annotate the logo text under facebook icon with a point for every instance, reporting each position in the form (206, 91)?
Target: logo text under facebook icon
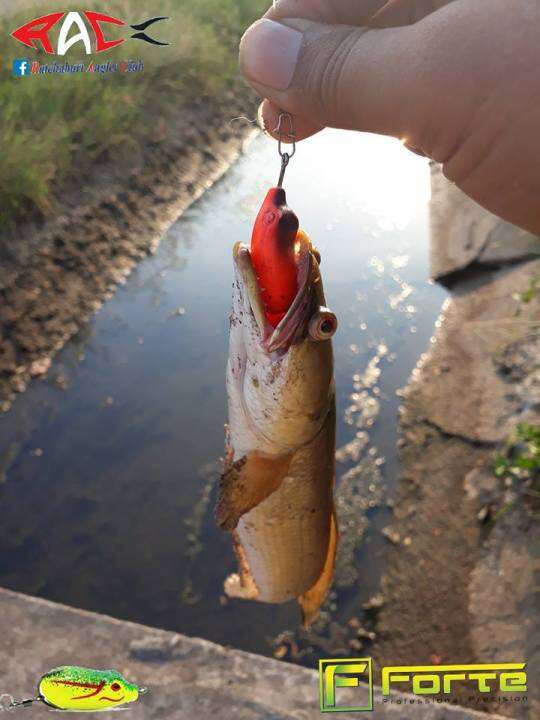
(21, 68)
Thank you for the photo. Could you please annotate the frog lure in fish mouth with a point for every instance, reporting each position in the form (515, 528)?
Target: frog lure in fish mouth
(276, 492)
(80, 689)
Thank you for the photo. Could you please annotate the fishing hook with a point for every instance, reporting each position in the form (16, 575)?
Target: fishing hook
(289, 136)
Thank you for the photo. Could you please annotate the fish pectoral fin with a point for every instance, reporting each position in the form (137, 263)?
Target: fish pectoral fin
(310, 602)
(246, 483)
(235, 588)
(241, 585)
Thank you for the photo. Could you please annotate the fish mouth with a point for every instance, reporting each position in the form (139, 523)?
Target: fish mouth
(293, 326)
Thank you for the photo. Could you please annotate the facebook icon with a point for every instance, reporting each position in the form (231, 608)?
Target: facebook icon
(21, 68)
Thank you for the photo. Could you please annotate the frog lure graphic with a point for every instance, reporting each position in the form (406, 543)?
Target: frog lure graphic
(80, 689)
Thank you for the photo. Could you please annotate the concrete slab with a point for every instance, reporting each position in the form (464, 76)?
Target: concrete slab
(188, 678)
(465, 386)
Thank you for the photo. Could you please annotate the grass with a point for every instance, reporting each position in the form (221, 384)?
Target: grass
(520, 458)
(530, 293)
(518, 463)
(50, 123)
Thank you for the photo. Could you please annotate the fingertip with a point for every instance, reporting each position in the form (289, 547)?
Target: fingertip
(268, 116)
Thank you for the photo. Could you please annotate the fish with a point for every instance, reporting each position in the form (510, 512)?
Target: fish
(86, 690)
(276, 489)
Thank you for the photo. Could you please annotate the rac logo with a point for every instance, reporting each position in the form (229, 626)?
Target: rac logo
(36, 34)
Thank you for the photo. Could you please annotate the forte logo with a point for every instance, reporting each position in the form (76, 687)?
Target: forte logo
(38, 33)
(436, 679)
(346, 685)
(345, 673)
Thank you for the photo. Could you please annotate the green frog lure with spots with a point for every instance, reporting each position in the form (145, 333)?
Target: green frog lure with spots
(80, 689)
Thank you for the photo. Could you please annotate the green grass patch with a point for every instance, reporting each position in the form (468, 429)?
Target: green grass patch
(532, 291)
(49, 123)
(520, 458)
(518, 464)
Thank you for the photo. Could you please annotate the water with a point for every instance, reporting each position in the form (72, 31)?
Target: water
(110, 464)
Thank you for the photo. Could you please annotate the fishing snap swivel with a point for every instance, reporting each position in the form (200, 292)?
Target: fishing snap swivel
(8, 702)
(25, 703)
(284, 136)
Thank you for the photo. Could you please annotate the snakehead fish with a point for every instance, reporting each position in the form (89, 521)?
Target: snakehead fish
(83, 689)
(276, 491)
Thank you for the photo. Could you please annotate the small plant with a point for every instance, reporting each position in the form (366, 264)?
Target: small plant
(533, 289)
(520, 459)
(529, 294)
(518, 463)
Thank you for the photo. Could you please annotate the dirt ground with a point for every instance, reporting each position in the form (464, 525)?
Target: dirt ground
(55, 274)
(461, 585)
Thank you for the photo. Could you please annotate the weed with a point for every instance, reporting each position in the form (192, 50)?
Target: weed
(518, 463)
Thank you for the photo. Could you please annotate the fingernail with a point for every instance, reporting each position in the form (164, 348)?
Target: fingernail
(269, 52)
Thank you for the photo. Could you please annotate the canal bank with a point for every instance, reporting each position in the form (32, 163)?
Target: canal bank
(462, 577)
(186, 677)
(56, 274)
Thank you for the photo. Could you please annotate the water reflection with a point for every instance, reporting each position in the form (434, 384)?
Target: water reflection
(109, 465)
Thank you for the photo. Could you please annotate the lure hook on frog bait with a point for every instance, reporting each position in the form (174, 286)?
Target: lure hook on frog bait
(291, 137)
(276, 491)
(80, 689)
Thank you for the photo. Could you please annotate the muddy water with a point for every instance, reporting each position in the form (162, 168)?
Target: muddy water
(109, 465)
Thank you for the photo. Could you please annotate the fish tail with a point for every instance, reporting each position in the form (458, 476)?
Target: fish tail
(310, 602)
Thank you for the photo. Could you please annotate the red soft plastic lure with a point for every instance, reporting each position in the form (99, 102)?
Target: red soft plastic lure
(274, 256)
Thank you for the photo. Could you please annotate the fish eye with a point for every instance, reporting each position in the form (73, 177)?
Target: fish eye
(327, 327)
(115, 687)
(323, 324)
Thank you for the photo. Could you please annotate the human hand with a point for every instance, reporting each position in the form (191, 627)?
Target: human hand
(456, 80)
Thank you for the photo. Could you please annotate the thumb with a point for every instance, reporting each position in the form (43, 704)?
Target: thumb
(334, 75)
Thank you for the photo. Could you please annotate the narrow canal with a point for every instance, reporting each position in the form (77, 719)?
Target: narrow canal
(109, 466)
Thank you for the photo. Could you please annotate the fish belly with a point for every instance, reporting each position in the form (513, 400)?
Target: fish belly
(285, 538)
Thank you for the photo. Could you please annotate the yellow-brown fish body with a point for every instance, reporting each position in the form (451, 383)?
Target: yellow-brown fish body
(277, 489)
